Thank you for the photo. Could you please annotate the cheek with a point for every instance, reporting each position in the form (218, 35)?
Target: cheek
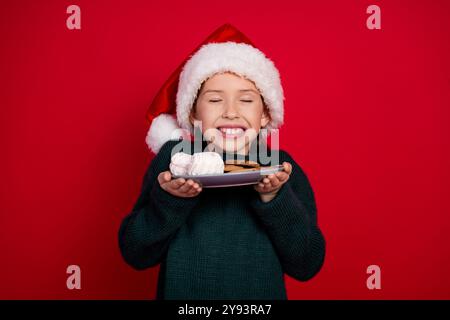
(207, 115)
(253, 116)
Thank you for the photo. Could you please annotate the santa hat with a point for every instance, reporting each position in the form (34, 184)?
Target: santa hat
(227, 49)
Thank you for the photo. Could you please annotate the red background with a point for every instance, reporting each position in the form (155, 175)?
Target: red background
(367, 117)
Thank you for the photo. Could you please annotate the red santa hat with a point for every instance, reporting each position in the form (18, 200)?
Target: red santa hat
(226, 49)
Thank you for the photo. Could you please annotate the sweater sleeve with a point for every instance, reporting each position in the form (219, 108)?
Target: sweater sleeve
(291, 222)
(145, 234)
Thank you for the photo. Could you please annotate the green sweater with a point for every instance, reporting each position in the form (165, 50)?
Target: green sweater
(224, 243)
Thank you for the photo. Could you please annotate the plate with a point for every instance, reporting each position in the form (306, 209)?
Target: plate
(232, 179)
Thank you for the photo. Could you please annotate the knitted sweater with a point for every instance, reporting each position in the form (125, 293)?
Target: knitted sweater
(224, 243)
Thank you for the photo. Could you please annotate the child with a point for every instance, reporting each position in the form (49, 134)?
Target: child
(232, 242)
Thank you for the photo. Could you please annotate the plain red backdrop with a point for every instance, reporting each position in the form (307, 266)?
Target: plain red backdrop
(367, 117)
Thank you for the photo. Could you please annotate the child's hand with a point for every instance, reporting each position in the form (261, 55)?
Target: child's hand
(178, 187)
(269, 186)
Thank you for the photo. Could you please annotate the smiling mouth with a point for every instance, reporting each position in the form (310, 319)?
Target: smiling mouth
(231, 132)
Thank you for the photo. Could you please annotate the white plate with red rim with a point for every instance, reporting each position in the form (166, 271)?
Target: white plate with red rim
(232, 179)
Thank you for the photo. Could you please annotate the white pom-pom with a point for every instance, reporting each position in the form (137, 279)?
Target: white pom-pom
(162, 129)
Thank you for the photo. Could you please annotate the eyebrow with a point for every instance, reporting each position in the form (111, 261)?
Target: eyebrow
(242, 90)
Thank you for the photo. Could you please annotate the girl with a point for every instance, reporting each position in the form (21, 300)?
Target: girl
(223, 243)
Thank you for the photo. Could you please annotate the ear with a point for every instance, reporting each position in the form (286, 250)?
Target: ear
(265, 118)
(192, 117)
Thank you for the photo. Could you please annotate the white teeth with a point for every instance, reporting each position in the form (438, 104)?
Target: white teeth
(232, 130)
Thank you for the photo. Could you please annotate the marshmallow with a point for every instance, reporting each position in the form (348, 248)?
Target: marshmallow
(197, 164)
(206, 163)
(180, 163)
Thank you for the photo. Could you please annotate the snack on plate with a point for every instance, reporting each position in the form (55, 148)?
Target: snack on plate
(241, 169)
(242, 163)
(231, 167)
(180, 163)
(206, 163)
(196, 164)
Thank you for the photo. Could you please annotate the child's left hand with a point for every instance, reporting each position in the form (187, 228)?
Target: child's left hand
(270, 185)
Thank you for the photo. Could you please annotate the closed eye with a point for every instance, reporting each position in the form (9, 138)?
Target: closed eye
(247, 100)
(216, 100)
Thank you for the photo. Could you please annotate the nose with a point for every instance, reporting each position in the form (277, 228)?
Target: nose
(230, 111)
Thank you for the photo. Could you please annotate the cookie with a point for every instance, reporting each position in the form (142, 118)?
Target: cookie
(244, 169)
(232, 167)
(243, 163)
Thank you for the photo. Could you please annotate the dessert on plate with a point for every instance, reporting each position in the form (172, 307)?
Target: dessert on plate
(202, 163)
(197, 164)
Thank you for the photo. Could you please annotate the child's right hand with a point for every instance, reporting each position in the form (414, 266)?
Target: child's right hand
(178, 187)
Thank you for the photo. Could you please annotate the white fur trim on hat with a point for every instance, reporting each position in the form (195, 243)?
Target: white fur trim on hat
(240, 58)
(163, 128)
